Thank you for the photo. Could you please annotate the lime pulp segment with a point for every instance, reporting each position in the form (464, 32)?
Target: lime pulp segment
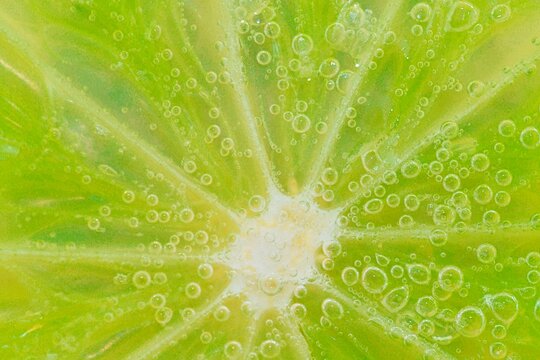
(265, 179)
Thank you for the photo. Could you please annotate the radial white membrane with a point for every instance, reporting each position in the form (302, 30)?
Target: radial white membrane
(276, 251)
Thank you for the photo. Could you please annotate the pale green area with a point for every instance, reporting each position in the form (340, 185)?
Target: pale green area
(137, 136)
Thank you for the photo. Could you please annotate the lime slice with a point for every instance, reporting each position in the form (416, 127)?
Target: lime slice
(269, 179)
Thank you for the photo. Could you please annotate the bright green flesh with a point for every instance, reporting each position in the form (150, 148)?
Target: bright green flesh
(156, 157)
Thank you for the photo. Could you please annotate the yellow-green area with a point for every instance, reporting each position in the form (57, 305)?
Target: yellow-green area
(269, 179)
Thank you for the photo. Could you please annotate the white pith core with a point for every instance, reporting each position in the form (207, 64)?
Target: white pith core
(276, 251)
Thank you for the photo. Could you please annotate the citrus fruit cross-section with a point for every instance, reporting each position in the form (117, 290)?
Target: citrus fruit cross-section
(269, 179)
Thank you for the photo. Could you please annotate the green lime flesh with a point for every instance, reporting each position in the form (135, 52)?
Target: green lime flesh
(239, 179)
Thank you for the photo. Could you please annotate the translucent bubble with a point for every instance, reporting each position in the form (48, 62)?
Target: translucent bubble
(301, 123)
(501, 13)
(93, 223)
(480, 162)
(486, 253)
(352, 16)
(503, 177)
(335, 33)
(504, 306)
(264, 57)
(301, 106)
(213, 131)
(128, 196)
(193, 290)
(332, 309)
(270, 284)
(350, 276)
(272, 30)
(533, 277)
(421, 12)
(206, 337)
(163, 315)
(410, 169)
(483, 194)
(152, 200)
(232, 350)
(257, 203)
(270, 349)
(450, 278)
(491, 217)
(331, 248)
(329, 68)
(438, 237)
(302, 44)
(373, 206)
(470, 321)
(476, 88)
(419, 273)
(444, 215)
(206, 179)
(329, 176)
(396, 299)
(462, 16)
(222, 313)
(507, 128)
(436, 167)
(186, 215)
(345, 81)
(299, 311)
(498, 331)
(118, 35)
(397, 271)
(451, 182)
(411, 202)
(393, 200)
(536, 310)
(417, 30)
(141, 279)
(426, 306)
(372, 162)
(530, 137)
(300, 291)
(190, 167)
(497, 350)
(374, 280)
(158, 301)
(533, 259)
(460, 199)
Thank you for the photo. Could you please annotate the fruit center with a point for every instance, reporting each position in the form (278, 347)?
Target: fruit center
(276, 251)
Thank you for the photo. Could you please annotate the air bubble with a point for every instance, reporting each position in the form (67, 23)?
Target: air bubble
(426, 306)
(302, 44)
(450, 278)
(232, 350)
(480, 162)
(332, 309)
(530, 137)
(470, 321)
(329, 68)
(504, 306)
(270, 349)
(349, 275)
(193, 290)
(264, 57)
(301, 123)
(141, 279)
(462, 16)
(374, 280)
(486, 253)
(421, 12)
(501, 13)
(419, 273)
(396, 299)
